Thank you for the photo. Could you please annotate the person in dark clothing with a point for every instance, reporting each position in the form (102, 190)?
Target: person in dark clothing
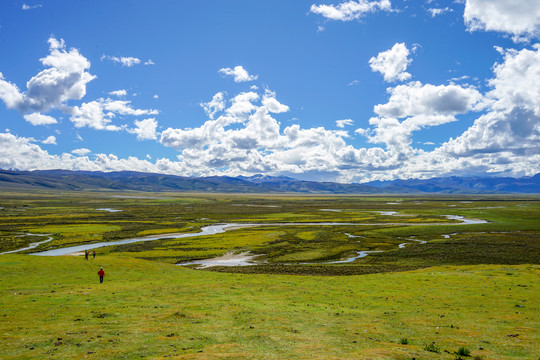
(94, 255)
(86, 254)
(101, 274)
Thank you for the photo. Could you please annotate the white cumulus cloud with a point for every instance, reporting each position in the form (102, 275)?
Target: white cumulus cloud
(397, 134)
(123, 107)
(343, 123)
(519, 18)
(351, 10)
(217, 104)
(242, 104)
(247, 138)
(271, 104)
(517, 80)
(119, 93)
(238, 73)
(22, 153)
(392, 63)
(98, 114)
(416, 98)
(51, 140)
(145, 129)
(91, 115)
(81, 151)
(64, 79)
(512, 126)
(39, 119)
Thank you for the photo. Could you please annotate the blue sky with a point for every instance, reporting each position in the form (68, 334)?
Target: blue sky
(347, 91)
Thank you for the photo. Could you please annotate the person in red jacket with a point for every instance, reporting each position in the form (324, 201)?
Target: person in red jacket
(101, 274)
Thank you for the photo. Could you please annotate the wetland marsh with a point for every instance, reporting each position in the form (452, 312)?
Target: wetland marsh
(428, 278)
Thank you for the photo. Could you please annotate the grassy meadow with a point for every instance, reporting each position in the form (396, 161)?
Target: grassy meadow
(469, 292)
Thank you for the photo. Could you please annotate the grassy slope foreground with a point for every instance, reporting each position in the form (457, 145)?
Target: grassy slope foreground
(55, 308)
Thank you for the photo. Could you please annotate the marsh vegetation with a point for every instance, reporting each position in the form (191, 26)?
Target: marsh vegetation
(390, 228)
(469, 289)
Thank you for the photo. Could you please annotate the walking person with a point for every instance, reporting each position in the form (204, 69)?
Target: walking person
(94, 254)
(86, 254)
(101, 274)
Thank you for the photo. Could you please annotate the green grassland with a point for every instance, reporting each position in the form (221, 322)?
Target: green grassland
(55, 308)
(469, 286)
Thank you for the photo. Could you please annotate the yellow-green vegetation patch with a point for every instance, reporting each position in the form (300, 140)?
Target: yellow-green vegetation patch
(306, 235)
(315, 255)
(73, 234)
(288, 216)
(188, 248)
(159, 231)
(78, 228)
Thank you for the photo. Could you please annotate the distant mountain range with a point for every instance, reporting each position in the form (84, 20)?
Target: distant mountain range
(465, 185)
(136, 181)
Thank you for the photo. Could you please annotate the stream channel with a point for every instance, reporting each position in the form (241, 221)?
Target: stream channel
(238, 259)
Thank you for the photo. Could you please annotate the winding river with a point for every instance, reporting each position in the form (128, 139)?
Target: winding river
(32, 245)
(220, 228)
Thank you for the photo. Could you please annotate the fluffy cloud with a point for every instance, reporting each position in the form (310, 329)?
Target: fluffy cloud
(10, 94)
(81, 151)
(145, 129)
(215, 105)
(64, 80)
(210, 131)
(51, 140)
(39, 119)
(22, 153)
(397, 135)
(518, 18)
(119, 93)
(392, 63)
(19, 153)
(270, 102)
(124, 108)
(422, 106)
(242, 104)
(517, 80)
(504, 140)
(512, 126)
(239, 73)
(416, 98)
(343, 123)
(258, 144)
(515, 133)
(91, 115)
(98, 114)
(351, 10)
